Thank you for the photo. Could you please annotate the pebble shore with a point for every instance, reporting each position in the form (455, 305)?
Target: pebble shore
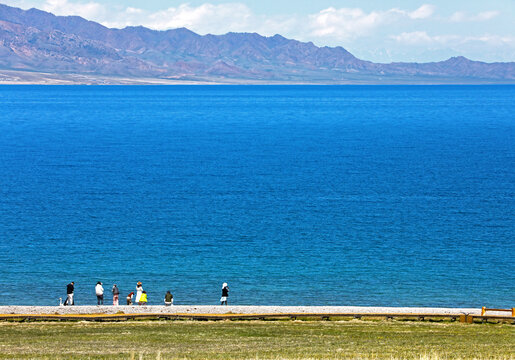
(236, 309)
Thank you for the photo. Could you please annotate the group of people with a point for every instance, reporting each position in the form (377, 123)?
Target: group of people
(141, 295)
(99, 291)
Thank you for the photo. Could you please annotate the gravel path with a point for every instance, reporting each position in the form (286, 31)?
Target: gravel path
(211, 309)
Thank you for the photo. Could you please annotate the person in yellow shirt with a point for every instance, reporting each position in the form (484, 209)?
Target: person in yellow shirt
(143, 299)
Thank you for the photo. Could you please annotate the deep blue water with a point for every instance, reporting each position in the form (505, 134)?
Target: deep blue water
(351, 195)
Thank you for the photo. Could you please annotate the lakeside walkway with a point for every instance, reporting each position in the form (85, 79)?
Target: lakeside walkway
(233, 309)
(238, 312)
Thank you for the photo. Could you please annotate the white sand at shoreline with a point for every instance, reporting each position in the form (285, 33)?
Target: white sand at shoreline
(212, 309)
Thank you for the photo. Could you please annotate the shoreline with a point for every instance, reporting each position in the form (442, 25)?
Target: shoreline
(233, 309)
(21, 77)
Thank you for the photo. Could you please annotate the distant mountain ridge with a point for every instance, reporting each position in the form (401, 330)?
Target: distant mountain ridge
(34, 40)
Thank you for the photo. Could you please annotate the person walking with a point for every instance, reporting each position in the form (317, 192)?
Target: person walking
(168, 298)
(69, 294)
(143, 298)
(129, 298)
(116, 295)
(225, 294)
(99, 290)
(139, 291)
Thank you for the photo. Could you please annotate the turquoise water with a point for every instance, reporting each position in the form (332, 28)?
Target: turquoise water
(352, 195)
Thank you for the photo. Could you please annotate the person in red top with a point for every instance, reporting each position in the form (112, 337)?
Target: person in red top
(129, 298)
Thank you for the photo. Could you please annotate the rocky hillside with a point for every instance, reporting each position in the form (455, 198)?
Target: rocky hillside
(35, 40)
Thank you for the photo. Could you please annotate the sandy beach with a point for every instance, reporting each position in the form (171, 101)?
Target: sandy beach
(236, 309)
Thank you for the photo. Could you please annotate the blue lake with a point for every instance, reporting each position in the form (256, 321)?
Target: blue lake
(294, 195)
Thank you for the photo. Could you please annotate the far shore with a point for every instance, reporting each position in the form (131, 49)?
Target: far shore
(234, 309)
(20, 77)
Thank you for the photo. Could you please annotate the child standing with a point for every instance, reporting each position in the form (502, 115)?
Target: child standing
(143, 298)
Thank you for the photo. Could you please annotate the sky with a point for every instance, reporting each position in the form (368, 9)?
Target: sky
(380, 31)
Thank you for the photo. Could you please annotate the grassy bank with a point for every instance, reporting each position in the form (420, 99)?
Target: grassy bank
(257, 340)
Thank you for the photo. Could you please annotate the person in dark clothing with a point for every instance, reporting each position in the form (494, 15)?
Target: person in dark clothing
(225, 294)
(116, 295)
(69, 294)
(168, 298)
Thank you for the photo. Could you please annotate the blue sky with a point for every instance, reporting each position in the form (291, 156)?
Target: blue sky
(374, 30)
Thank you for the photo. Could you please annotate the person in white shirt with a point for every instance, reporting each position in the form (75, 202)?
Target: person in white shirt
(139, 291)
(99, 290)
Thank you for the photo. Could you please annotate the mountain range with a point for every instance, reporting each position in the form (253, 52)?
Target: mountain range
(34, 41)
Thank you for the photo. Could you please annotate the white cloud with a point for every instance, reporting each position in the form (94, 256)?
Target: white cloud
(88, 10)
(204, 18)
(131, 10)
(422, 47)
(461, 16)
(423, 38)
(422, 12)
(349, 23)
(413, 38)
(344, 23)
(495, 40)
(337, 24)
